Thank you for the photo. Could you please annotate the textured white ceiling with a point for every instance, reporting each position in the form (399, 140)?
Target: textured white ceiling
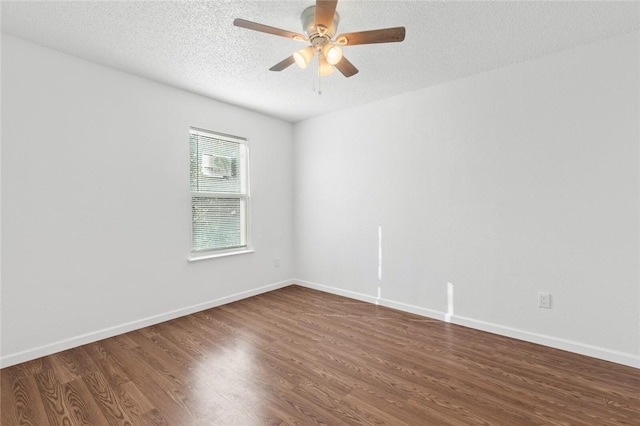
(194, 45)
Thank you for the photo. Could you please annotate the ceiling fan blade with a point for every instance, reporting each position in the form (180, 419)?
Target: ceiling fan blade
(243, 23)
(346, 68)
(325, 10)
(385, 35)
(283, 64)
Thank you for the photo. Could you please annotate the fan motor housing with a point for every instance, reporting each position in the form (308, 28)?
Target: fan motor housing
(316, 38)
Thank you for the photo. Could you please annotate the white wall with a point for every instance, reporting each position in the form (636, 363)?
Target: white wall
(95, 202)
(518, 180)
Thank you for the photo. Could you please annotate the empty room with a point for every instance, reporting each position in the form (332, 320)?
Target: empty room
(327, 212)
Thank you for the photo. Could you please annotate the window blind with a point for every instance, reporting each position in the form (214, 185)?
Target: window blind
(219, 191)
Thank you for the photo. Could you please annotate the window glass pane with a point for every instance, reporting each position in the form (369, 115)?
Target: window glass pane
(217, 165)
(218, 223)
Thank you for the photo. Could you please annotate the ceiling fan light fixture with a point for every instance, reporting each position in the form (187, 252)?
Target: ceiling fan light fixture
(303, 56)
(332, 53)
(324, 69)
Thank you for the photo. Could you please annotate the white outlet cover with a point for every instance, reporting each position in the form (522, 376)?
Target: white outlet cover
(544, 300)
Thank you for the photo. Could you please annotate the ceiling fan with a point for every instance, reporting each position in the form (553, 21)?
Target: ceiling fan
(320, 23)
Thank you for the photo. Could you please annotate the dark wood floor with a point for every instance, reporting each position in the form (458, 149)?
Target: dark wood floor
(298, 356)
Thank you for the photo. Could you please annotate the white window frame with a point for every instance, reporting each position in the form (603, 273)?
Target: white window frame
(245, 212)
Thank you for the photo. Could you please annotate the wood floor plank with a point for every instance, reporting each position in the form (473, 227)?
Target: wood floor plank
(107, 399)
(296, 356)
(21, 403)
(52, 393)
(81, 404)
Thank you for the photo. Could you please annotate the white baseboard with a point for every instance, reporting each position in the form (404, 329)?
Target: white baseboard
(627, 359)
(84, 339)
(430, 313)
(337, 291)
(553, 342)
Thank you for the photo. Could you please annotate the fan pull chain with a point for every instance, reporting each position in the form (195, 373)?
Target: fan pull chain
(313, 81)
(318, 74)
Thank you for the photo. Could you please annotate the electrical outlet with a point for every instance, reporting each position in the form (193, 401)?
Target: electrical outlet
(544, 300)
(276, 262)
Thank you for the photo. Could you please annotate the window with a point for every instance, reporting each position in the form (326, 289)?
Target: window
(219, 181)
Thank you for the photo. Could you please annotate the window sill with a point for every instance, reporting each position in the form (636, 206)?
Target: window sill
(195, 258)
